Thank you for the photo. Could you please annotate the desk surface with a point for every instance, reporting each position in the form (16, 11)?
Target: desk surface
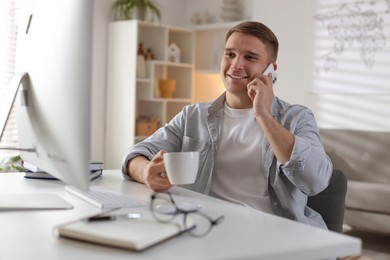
(244, 234)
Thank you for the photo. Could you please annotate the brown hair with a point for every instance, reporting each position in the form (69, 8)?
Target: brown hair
(260, 31)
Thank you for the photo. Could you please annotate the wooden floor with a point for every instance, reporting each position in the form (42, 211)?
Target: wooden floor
(375, 246)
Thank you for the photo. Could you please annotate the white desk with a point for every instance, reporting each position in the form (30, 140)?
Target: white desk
(244, 234)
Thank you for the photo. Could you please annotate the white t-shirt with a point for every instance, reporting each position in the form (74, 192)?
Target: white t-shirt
(238, 177)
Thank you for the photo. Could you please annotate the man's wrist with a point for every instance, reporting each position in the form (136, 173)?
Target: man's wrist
(136, 168)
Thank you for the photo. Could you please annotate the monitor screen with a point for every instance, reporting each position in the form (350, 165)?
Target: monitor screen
(53, 118)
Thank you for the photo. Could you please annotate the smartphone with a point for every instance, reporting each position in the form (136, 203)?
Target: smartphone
(270, 69)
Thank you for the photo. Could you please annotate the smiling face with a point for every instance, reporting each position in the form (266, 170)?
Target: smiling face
(245, 55)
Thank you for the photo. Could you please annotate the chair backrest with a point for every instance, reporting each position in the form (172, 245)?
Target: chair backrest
(330, 203)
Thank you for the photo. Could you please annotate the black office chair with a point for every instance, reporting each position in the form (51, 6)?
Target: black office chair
(330, 203)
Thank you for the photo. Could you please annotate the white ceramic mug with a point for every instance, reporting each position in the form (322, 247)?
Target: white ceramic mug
(181, 167)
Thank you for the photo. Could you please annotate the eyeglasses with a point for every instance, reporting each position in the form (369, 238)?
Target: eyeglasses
(164, 209)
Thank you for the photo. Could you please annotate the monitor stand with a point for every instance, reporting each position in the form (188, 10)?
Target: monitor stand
(24, 201)
(6, 109)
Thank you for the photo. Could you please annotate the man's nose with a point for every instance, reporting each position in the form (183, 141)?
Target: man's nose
(236, 65)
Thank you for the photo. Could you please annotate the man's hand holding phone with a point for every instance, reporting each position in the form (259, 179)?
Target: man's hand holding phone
(260, 91)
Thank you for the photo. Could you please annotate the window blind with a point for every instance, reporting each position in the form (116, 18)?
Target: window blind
(351, 46)
(9, 19)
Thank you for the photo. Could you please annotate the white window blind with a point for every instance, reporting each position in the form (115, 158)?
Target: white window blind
(9, 18)
(351, 46)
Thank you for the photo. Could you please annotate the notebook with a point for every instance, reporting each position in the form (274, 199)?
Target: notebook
(133, 234)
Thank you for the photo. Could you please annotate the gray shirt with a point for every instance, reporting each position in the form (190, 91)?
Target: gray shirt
(198, 128)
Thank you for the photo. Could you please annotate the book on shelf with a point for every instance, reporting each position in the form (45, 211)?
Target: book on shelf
(34, 172)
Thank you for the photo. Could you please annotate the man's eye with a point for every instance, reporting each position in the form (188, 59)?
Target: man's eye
(230, 54)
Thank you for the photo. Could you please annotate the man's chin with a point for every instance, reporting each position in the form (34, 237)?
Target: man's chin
(236, 85)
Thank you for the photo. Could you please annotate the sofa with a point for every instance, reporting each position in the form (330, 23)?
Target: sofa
(364, 157)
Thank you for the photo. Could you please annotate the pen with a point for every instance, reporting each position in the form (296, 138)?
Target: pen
(114, 217)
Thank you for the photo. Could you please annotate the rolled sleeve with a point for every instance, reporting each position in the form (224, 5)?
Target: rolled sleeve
(309, 168)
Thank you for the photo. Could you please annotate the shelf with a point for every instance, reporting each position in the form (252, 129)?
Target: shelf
(130, 97)
(144, 80)
(173, 64)
(210, 46)
(179, 100)
(208, 71)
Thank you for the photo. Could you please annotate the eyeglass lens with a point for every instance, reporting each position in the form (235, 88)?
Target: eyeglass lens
(201, 222)
(162, 207)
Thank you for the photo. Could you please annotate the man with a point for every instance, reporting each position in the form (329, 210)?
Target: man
(255, 149)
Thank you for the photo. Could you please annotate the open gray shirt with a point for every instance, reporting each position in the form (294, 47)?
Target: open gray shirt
(198, 128)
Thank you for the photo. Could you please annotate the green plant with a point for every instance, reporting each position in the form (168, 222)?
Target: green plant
(125, 9)
(12, 163)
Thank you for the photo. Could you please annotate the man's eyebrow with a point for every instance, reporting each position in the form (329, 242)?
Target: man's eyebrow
(247, 52)
(253, 53)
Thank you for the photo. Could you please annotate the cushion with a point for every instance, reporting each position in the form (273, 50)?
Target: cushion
(366, 196)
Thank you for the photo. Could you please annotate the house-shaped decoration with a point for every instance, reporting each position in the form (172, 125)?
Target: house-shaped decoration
(173, 53)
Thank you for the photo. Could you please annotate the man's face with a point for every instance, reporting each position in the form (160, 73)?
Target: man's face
(244, 56)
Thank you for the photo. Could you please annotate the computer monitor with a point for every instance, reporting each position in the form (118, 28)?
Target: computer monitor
(55, 50)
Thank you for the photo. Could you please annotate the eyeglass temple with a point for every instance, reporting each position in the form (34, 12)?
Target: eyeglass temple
(218, 220)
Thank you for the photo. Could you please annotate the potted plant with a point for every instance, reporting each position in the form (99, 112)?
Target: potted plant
(135, 9)
(12, 163)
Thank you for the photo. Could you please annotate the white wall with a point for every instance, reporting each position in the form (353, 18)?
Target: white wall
(102, 17)
(172, 11)
(287, 19)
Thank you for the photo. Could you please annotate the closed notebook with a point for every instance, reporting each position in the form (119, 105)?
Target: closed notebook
(133, 234)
